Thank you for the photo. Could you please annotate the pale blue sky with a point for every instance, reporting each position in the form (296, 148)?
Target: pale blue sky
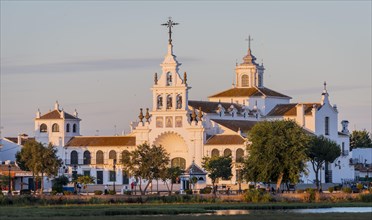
(100, 57)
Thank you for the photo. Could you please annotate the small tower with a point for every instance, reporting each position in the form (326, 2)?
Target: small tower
(325, 95)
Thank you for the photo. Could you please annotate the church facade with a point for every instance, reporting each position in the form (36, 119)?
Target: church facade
(190, 130)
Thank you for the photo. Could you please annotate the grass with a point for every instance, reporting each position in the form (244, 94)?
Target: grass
(175, 211)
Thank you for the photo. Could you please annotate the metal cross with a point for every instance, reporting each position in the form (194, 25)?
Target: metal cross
(249, 39)
(170, 24)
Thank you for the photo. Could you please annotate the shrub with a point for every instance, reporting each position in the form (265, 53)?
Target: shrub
(337, 187)
(300, 191)
(359, 186)
(177, 192)
(67, 193)
(310, 195)
(330, 189)
(128, 193)
(365, 197)
(188, 191)
(112, 192)
(346, 190)
(206, 190)
(54, 192)
(255, 196)
(97, 192)
(25, 192)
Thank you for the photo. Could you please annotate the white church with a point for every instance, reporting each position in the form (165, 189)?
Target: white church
(190, 130)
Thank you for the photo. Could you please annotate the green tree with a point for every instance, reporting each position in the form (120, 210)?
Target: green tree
(172, 174)
(59, 182)
(217, 167)
(321, 150)
(41, 161)
(360, 139)
(277, 152)
(145, 163)
(85, 180)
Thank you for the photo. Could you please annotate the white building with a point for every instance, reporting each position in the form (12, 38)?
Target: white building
(190, 130)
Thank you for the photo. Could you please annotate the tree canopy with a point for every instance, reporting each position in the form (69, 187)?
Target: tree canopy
(321, 150)
(360, 139)
(146, 162)
(171, 173)
(277, 152)
(218, 167)
(40, 160)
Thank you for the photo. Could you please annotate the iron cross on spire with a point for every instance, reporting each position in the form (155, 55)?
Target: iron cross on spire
(249, 39)
(170, 24)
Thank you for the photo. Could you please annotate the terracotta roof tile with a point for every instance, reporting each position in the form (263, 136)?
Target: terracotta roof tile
(290, 109)
(23, 140)
(56, 114)
(248, 92)
(102, 141)
(235, 125)
(225, 140)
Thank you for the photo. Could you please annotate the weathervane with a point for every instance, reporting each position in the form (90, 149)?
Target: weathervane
(249, 39)
(170, 24)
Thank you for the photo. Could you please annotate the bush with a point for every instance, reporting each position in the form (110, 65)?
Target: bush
(330, 189)
(206, 190)
(128, 193)
(255, 196)
(98, 192)
(112, 192)
(365, 197)
(25, 192)
(300, 191)
(359, 186)
(188, 191)
(66, 193)
(310, 195)
(337, 188)
(346, 190)
(54, 192)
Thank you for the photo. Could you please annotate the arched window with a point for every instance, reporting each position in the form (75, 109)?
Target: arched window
(112, 155)
(178, 162)
(159, 102)
(74, 128)
(245, 81)
(99, 157)
(169, 101)
(43, 128)
(74, 157)
(68, 127)
(227, 152)
(125, 156)
(86, 157)
(215, 153)
(239, 155)
(179, 102)
(169, 79)
(55, 127)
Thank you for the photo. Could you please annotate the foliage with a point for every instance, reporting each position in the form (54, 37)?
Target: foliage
(39, 160)
(188, 191)
(146, 162)
(366, 197)
(59, 182)
(111, 192)
(4, 181)
(331, 189)
(206, 190)
(85, 180)
(347, 190)
(277, 152)
(321, 150)
(311, 195)
(217, 167)
(98, 192)
(172, 174)
(359, 186)
(360, 139)
(255, 196)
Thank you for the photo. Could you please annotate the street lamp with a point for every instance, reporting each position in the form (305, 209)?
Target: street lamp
(74, 177)
(9, 189)
(114, 179)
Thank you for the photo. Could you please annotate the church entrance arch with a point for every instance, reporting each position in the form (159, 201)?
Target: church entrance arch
(175, 145)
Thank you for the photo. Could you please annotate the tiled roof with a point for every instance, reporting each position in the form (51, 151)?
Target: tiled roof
(195, 169)
(290, 109)
(248, 92)
(211, 107)
(23, 140)
(56, 114)
(102, 141)
(225, 140)
(235, 125)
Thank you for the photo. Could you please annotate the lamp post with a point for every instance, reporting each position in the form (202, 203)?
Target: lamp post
(9, 189)
(74, 177)
(114, 166)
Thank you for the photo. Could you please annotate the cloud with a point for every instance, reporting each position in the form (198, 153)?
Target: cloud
(84, 66)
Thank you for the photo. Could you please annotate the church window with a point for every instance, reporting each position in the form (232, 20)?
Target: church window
(68, 127)
(179, 162)
(169, 101)
(74, 157)
(125, 156)
(245, 81)
(215, 153)
(43, 128)
(86, 159)
(99, 157)
(179, 102)
(227, 152)
(326, 126)
(55, 127)
(159, 102)
(169, 79)
(112, 155)
(239, 155)
(74, 128)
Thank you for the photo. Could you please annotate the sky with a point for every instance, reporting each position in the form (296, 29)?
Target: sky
(99, 57)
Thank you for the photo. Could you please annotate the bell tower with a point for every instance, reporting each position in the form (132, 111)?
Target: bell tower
(249, 73)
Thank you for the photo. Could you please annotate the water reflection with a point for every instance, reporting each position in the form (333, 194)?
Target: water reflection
(231, 212)
(339, 210)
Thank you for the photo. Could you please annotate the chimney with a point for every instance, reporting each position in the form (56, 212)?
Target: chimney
(76, 113)
(56, 106)
(300, 114)
(345, 126)
(19, 139)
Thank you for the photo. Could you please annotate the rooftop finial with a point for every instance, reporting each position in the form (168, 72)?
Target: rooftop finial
(56, 106)
(325, 86)
(249, 39)
(170, 24)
